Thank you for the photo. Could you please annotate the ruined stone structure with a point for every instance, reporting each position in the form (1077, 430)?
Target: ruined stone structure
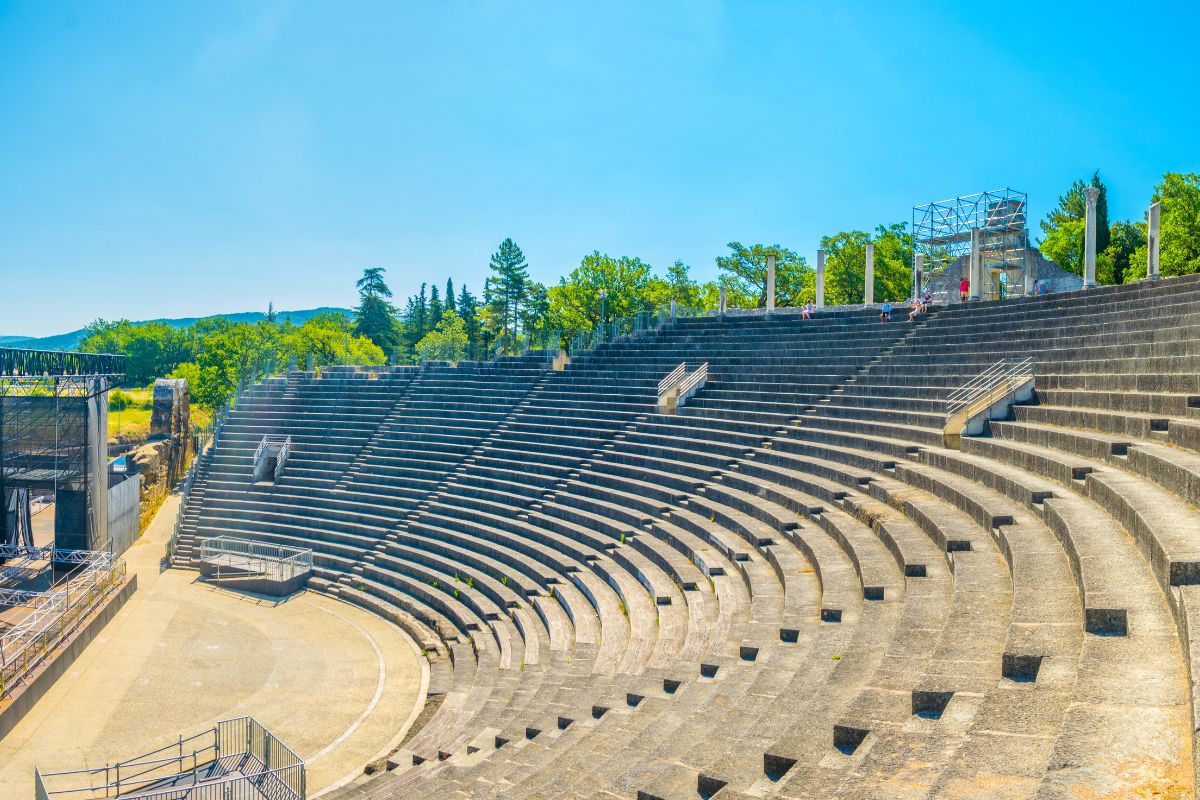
(162, 460)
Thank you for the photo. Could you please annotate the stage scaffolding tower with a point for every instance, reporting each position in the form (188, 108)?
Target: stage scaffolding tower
(54, 439)
(942, 234)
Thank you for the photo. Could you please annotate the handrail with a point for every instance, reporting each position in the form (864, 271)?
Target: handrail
(677, 387)
(691, 384)
(284, 452)
(672, 378)
(1001, 372)
(998, 386)
(240, 736)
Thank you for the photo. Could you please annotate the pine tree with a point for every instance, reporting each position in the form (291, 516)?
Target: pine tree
(511, 282)
(375, 317)
(270, 311)
(468, 309)
(435, 307)
(420, 318)
(450, 295)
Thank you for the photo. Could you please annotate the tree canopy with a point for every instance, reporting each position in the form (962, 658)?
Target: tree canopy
(375, 317)
(1063, 227)
(745, 275)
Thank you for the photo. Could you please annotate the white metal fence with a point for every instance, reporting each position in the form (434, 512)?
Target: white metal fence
(248, 556)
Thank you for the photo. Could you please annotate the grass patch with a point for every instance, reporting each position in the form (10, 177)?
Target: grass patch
(129, 412)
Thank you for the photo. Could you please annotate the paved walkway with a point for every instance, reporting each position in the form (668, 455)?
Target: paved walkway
(335, 683)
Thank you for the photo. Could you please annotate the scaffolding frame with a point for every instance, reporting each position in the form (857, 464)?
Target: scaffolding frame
(942, 233)
(53, 437)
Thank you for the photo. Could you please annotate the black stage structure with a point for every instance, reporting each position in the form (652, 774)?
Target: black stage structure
(54, 440)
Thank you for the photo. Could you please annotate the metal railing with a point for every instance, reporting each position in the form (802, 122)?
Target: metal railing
(677, 387)
(672, 378)
(284, 451)
(691, 384)
(1001, 374)
(53, 615)
(976, 397)
(246, 555)
(237, 759)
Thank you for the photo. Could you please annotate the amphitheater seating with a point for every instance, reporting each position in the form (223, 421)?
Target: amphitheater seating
(790, 588)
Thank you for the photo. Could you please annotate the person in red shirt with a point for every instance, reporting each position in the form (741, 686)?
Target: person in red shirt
(964, 289)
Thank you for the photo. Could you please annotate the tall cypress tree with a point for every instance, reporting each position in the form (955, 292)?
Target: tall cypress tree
(467, 309)
(435, 307)
(420, 317)
(375, 317)
(450, 295)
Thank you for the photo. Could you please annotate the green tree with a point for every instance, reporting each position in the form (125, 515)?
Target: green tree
(468, 309)
(846, 260)
(1179, 249)
(1064, 227)
(509, 284)
(375, 317)
(435, 306)
(688, 293)
(446, 342)
(535, 315)
(575, 302)
(151, 349)
(1113, 266)
(745, 275)
(450, 295)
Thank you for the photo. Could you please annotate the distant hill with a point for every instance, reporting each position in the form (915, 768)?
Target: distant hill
(70, 341)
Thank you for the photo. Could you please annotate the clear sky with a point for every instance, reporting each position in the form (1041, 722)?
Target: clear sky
(183, 158)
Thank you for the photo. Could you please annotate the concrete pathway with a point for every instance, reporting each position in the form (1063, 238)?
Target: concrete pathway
(336, 684)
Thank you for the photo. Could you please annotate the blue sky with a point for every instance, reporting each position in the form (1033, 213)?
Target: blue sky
(181, 159)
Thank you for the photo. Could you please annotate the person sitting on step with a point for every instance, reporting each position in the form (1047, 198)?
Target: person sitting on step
(885, 313)
(806, 311)
(915, 309)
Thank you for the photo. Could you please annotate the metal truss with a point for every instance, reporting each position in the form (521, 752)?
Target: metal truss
(942, 232)
(94, 573)
(14, 361)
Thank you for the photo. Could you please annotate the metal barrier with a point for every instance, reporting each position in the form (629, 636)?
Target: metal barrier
(237, 759)
(55, 614)
(246, 555)
(968, 407)
(271, 444)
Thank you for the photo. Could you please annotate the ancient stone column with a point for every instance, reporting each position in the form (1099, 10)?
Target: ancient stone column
(918, 272)
(820, 278)
(1091, 194)
(724, 300)
(976, 265)
(869, 276)
(1153, 230)
(770, 283)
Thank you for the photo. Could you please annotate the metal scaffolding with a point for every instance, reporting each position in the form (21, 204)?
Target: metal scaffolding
(54, 438)
(942, 234)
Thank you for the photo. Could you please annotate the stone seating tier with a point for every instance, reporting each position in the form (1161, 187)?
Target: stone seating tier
(791, 587)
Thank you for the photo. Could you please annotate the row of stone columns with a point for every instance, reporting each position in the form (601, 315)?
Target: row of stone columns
(1091, 195)
(975, 262)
